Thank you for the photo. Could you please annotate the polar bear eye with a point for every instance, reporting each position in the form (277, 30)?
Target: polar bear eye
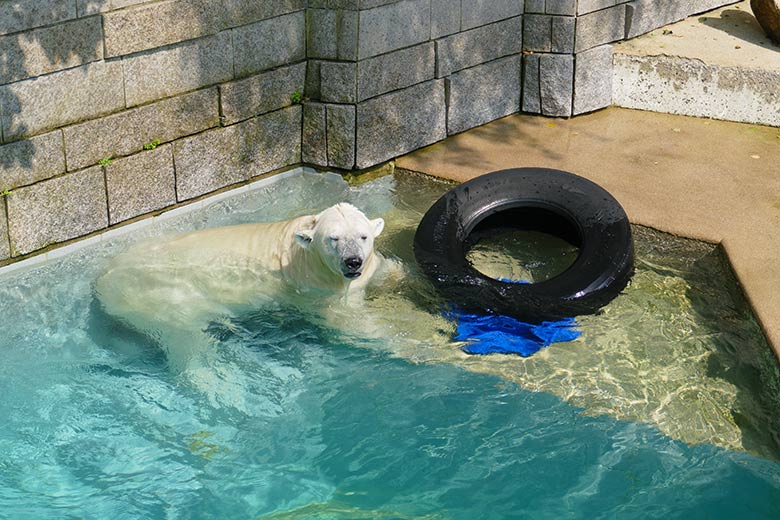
(334, 239)
(364, 237)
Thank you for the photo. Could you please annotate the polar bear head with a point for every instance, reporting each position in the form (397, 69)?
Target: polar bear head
(343, 237)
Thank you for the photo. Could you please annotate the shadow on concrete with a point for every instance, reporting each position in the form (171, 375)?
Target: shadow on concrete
(740, 24)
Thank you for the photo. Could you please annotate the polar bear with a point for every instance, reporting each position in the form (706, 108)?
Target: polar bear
(172, 290)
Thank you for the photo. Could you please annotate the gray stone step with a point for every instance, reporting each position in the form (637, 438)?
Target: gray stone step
(718, 65)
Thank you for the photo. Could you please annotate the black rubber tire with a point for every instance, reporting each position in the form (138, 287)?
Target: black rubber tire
(552, 201)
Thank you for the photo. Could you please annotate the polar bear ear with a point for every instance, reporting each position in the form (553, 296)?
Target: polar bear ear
(304, 237)
(379, 225)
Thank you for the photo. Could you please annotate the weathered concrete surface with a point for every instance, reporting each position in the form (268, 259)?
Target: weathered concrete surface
(556, 87)
(262, 93)
(178, 69)
(314, 144)
(140, 183)
(86, 7)
(710, 180)
(483, 12)
(36, 13)
(223, 156)
(341, 136)
(718, 65)
(600, 27)
(395, 70)
(157, 24)
(593, 79)
(35, 105)
(410, 21)
(5, 247)
(477, 46)
(50, 49)
(484, 93)
(331, 34)
(31, 160)
(645, 15)
(57, 210)
(269, 43)
(399, 122)
(127, 132)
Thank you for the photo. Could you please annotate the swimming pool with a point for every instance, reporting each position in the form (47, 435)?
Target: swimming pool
(663, 409)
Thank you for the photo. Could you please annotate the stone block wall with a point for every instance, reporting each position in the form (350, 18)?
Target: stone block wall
(111, 109)
(568, 56)
(402, 74)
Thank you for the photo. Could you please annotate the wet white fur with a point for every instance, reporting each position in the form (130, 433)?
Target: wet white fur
(171, 290)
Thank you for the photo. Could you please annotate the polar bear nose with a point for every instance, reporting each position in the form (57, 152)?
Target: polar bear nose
(353, 263)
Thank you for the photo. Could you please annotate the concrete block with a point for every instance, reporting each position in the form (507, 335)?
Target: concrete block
(338, 81)
(393, 26)
(57, 210)
(242, 12)
(156, 24)
(262, 93)
(88, 7)
(314, 144)
(273, 43)
(645, 15)
(141, 183)
(676, 85)
(395, 70)
(312, 86)
(477, 46)
(482, 94)
(593, 79)
(5, 246)
(224, 156)
(482, 12)
(270, 141)
(556, 78)
(36, 105)
(174, 70)
(50, 49)
(537, 33)
(322, 33)
(600, 27)
(399, 122)
(332, 34)
(445, 17)
(31, 160)
(563, 30)
(127, 132)
(532, 101)
(341, 136)
(335, 4)
(535, 6)
(370, 4)
(35, 13)
(588, 6)
(207, 162)
(561, 7)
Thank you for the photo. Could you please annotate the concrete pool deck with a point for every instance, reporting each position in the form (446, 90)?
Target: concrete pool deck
(710, 180)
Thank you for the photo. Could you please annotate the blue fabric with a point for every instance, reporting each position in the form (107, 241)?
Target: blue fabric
(495, 334)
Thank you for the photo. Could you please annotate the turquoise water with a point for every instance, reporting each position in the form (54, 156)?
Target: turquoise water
(308, 423)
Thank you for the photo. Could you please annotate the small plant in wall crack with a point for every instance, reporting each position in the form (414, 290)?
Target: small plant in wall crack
(154, 143)
(105, 161)
(6, 192)
(296, 97)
